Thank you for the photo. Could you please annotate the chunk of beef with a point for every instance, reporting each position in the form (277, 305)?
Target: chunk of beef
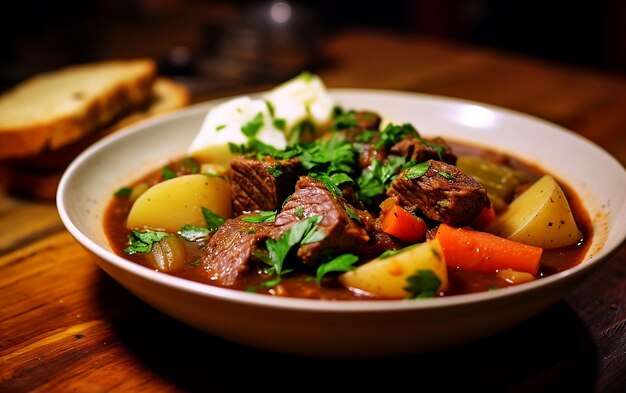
(228, 254)
(261, 184)
(443, 194)
(420, 150)
(342, 233)
(368, 153)
(379, 241)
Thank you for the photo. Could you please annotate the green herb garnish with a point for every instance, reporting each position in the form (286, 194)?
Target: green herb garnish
(446, 175)
(220, 127)
(141, 242)
(213, 220)
(123, 192)
(260, 216)
(342, 263)
(191, 164)
(278, 249)
(417, 171)
(393, 134)
(281, 124)
(422, 284)
(251, 128)
(192, 233)
(167, 173)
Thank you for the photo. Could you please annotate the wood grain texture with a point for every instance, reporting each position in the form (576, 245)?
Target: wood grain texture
(66, 326)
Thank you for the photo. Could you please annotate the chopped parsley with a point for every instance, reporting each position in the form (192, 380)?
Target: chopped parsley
(377, 177)
(220, 127)
(123, 192)
(393, 134)
(299, 211)
(167, 173)
(213, 220)
(191, 164)
(417, 171)
(346, 121)
(194, 263)
(251, 128)
(141, 242)
(270, 108)
(366, 136)
(342, 263)
(446, 175)
(260, 216)
(281, 124)
(299, 233)
(302, 128)
(422, 284)
(351, 213)
(192, 233)
(275, 170)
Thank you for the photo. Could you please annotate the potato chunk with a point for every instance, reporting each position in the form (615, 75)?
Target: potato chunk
(388, 276)
(176, 202)
(540, 216)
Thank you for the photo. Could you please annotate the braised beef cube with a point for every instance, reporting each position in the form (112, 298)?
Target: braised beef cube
(379, 241)
(420, 150)
(261, 184)
(367, 154)
(443, 193)
(229, 252)
(343, 234)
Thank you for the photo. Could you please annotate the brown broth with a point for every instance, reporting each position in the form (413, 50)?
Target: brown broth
(303, 285)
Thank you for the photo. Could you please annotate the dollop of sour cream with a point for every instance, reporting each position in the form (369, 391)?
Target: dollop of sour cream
(268, 119)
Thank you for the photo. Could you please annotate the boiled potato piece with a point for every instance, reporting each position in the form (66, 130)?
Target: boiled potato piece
(540, 216)
(176, 202)
(387, 276)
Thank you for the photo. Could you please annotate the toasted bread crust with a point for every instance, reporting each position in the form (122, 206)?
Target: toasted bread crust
(118, 94)
(38, 175)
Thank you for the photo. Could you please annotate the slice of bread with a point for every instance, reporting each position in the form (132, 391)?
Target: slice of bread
(56, 108)
(38, 175)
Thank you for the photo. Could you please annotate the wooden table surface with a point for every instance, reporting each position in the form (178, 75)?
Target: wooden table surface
(66, 326)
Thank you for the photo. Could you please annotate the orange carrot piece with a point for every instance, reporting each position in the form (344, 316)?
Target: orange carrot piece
(484, 218)
(484, 252)
(405, 226)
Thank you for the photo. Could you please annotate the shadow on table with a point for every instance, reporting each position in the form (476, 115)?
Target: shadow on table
(550, 352)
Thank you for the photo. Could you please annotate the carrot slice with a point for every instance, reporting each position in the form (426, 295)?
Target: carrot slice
(484, 252)
(405, 226)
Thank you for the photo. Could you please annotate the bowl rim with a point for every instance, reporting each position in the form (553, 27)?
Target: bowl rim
(318, 305)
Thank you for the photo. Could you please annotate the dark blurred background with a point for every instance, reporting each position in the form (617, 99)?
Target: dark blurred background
(246, 43)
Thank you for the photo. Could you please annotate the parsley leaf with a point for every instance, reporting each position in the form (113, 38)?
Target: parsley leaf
(278, 249)
(251, 128)
(270, 108)
(302, 128)
(392, 134)
(191, 164)
(260, 216)
(123, 192)
(141, 242)
(281, 124)
(192, 233)
(342, 263)
(417, 171)
(375, 179)
(446, 175)
(167, 173)
(345, 121)
(422, 284)
(213, 220)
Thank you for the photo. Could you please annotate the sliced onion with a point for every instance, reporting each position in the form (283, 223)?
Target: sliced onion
(168, 255)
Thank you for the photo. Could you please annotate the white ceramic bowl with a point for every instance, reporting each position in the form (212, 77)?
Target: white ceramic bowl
(350, 328)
